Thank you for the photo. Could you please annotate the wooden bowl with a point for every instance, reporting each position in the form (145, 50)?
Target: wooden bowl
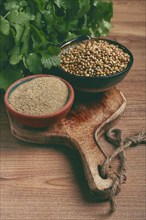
(94, 83)
(39, 120)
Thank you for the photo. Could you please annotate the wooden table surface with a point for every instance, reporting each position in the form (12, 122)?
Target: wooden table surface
(47, 182)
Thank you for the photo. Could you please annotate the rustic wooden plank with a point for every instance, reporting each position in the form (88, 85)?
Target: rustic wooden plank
(41, 183)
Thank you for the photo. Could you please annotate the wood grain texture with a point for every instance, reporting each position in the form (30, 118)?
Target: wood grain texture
(40, 182)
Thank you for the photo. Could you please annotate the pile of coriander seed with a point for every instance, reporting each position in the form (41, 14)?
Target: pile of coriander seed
(94, 58)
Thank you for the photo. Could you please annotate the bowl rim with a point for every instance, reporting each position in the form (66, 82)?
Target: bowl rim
(121, 46)
(45, 116)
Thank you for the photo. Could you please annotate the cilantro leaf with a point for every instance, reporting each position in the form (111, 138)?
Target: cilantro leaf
(41, 4)
(25, 41)
(50, 61)
(15, 55)
(33, 63)
(4, 26)
(22, 18)
(17, 32)
(60, 3)
(84, 7)
(8, 76)
(11, 5)
(104, 27)
(53, 50)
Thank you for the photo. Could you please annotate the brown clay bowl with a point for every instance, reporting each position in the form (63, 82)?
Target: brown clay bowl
(95, 83)
(41, 120)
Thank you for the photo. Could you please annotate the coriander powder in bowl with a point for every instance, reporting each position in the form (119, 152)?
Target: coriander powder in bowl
(39, 100)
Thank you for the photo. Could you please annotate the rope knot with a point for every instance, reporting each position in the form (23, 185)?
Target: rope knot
(115, 138)
(137, 139)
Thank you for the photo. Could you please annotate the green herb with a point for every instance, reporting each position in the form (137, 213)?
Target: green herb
(29, 31)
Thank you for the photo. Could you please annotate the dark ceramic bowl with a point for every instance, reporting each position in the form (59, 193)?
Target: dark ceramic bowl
(41, 120)
(95, 83)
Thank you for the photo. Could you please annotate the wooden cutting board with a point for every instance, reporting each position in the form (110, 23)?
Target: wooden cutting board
(81, 129)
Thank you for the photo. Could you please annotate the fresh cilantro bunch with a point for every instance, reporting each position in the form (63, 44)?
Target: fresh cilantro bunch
(29, 31)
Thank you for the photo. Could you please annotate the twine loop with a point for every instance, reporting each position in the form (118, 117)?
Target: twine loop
(114, 136)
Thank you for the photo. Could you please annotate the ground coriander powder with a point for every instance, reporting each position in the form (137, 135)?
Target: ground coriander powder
(39, 96)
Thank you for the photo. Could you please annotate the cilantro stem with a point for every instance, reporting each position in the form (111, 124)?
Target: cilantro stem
(7, 14)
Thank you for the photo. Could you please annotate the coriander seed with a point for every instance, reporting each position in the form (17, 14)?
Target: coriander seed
(94, 58)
